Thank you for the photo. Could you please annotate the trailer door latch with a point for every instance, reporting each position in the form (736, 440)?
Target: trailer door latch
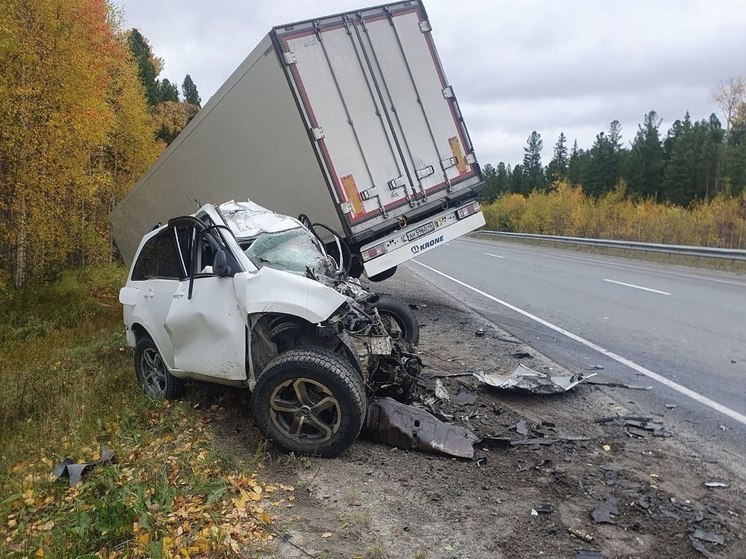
(289, 57)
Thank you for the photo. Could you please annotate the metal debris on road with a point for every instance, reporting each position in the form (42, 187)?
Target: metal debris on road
(411, 428)
(606, 511)
(479, 333)
(646, 423)
(74, 471)
(524, 379)
(710, 537)
(522, 355)
(464, 397)
(544, 508)
(578, 533)
(715, 484)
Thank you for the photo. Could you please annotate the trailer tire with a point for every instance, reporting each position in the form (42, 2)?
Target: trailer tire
(309, 401)
(397, 316)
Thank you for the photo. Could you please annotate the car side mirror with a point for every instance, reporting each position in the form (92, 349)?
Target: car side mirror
(220, 266)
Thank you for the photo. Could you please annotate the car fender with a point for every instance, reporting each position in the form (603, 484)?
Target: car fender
(274, 291)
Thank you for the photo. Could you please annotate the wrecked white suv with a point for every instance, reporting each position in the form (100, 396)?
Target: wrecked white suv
(238, 295)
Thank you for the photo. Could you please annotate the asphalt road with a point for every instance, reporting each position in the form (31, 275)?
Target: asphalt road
(680, 330)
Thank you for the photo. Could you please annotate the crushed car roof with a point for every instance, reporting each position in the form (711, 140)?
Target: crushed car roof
(249, 219)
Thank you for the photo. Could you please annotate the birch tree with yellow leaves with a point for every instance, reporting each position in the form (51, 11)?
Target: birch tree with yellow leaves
(75, 133)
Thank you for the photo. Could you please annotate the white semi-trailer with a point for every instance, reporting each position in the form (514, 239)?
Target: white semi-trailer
(346, 119)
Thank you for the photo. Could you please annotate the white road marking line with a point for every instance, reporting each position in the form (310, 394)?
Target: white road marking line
(637, 287)
(704, 400)
(598, 262)
(493, 255)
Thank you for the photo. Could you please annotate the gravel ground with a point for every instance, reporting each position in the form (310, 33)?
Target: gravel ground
(375, 501)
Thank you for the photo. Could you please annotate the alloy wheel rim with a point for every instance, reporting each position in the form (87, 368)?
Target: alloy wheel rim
(305, 410)
(153, 373)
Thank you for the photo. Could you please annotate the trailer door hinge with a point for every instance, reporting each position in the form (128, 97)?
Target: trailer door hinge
(470, 158)
(448, 92)
(346, 207)
(318, 133)
(425, 26)
(289, 57)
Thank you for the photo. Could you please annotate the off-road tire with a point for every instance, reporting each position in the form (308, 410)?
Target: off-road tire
(152, 374)
(398, 316)
(291, 421)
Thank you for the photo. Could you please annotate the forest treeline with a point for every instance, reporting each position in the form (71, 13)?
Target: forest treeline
(82, 116)
(692, 161)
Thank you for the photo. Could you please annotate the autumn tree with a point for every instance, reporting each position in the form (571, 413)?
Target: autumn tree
(729, 95)
(189, 90)
(65, 80)
(557, 168)
(149, 66)
(533, 172)
(645, 164)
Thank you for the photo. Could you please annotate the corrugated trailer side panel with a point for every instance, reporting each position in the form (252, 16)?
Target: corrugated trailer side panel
(249, 141)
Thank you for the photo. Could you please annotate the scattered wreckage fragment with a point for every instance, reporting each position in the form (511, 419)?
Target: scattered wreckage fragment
(524, 379)
(74, 471)
(412, 428)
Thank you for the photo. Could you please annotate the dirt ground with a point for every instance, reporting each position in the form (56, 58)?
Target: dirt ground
(517, 501)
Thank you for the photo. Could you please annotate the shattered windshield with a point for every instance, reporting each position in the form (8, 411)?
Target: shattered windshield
(293, 250)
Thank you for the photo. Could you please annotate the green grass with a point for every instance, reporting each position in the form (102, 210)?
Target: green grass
(67, 387)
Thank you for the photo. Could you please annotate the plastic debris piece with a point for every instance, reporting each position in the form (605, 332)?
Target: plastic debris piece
(522, 355)
(606, 511)
(407, 427)
(715, 484)
(534, 512)
(524, 379)
(710, 537)
(521, 427)
(74, 471)
(479, 333)
(545, 508)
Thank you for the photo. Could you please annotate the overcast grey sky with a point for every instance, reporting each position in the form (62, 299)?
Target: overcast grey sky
(516, 66)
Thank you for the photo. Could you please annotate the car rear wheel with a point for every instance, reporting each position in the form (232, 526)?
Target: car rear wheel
(152, 373)
(309, 401)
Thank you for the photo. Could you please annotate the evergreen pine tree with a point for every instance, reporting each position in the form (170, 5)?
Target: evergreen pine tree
(189, 90)
(532, 169)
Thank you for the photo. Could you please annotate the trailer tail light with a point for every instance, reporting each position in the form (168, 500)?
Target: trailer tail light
(467, 210)
(374, 252)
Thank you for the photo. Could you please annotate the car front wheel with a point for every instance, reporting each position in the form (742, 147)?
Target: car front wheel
(310, 401)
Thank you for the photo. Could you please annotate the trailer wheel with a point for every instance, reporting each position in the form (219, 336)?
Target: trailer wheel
(398, 317)
(309, 401)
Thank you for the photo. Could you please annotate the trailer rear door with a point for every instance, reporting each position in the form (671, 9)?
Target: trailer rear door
(386, 125)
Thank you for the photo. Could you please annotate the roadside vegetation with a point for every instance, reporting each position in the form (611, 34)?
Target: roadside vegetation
(67, 389)
(566, 210)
